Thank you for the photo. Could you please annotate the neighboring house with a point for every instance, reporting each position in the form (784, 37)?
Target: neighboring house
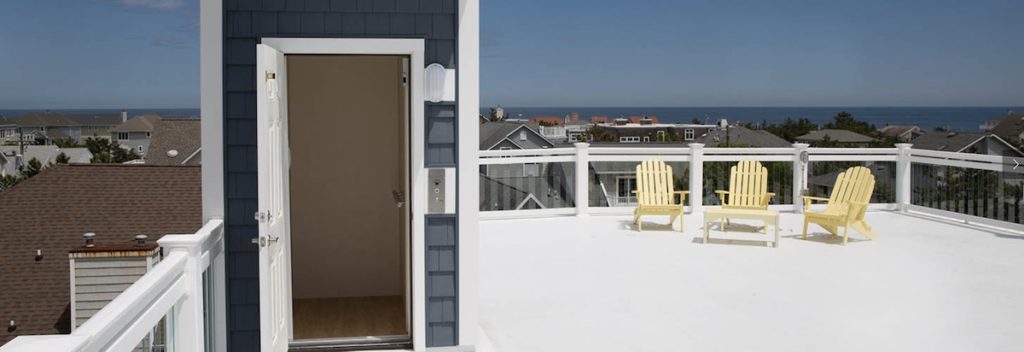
(46, 154)
(508, 135)
(99, 126)
(45, 216)
(1010, 128)
(837, 137)
(47, 127)
(136, 133)
(740, 136)
(8, 131)
(975, 143)
(902, 133)
(623, 131)
(175, 142)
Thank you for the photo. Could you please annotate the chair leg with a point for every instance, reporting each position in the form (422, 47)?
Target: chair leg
(846, 232)
(805, 229)
(682, 221)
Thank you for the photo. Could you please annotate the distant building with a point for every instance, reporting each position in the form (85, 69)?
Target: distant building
(45, 217)
(510, 136)
(521, 186)
(974, 143)
(44, 128)
(647, 131)
(136, 133)
(838, 137)
(548, 120)
(13, 159)
(902, 133)
(740, 136)
(175, 142)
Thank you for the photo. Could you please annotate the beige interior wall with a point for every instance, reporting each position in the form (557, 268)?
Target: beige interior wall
(347, 137)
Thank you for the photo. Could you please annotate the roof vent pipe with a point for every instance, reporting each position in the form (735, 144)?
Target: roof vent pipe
(140, 239)
(39, 255)
(11, 327)
(90, 239)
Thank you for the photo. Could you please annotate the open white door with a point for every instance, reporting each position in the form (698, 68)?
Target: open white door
(272, 150)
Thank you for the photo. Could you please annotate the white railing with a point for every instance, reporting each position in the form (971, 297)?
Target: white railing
(897, 164)
(179, 288)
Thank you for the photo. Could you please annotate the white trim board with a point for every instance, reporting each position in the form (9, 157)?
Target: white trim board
(414, 48)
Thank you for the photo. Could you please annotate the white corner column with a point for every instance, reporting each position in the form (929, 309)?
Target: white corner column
(468, 77)
(696, 178)
(903, 172)
(582, 179)
(799, 175)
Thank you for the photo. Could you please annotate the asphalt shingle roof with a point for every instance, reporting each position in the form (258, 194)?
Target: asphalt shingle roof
(945, 141)
(142, 123)
(181, 135)
(52, 210)
(840, 136)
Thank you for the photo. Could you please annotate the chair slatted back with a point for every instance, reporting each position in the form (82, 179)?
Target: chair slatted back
(853, 185)
(748, 183)
(654, 183)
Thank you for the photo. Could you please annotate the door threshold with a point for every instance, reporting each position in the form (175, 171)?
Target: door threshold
(351, 343)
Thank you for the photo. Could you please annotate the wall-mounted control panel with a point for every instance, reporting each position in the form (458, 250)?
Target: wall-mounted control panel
(441, 191)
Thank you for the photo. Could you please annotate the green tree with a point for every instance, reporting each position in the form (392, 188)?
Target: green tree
(32, 168)
(62, 158)
(106, 152)
(597, 134)
(8, 181)
(66, 143)
(845, 121)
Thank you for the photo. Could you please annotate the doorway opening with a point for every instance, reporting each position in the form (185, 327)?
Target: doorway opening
(348, 123)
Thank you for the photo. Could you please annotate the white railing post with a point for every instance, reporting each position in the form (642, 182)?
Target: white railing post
(582, 179)
(799, 175)
(903, 173)
(696, 177)
(187, 328)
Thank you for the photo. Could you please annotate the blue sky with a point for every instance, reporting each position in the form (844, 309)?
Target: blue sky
(145, 53)
(752, 53)
(99, 54)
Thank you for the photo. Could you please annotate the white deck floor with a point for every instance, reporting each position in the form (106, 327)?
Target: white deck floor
(594, 284)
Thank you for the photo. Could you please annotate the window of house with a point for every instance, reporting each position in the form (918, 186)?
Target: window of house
(647, 139)
(122, 136)
(522, 135)
(688, 134)
(633, 139)
(148, 134)
(625, 185)
(531, 169)
(139, 148)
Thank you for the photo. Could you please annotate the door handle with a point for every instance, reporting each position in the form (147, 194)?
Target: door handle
(264, 241)
(399, 198)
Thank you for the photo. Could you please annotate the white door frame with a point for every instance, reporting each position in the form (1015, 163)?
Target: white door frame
(414, 48)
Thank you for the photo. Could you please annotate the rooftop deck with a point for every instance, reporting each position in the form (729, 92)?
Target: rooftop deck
(594, 284)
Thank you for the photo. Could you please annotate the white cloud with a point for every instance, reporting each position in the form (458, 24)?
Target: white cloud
(156, 4)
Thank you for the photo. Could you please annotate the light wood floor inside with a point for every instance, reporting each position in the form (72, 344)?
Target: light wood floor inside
(321, 318)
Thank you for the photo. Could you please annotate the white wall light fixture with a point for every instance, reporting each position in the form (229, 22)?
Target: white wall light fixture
(434, 81)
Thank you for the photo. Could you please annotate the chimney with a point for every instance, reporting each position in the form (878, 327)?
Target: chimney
(101, 271)
(124, 116)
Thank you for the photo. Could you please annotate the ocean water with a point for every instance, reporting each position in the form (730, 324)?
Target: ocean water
(966, 119)
(194, 113)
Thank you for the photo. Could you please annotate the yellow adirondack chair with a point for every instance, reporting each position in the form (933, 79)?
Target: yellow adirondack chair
(846, 205)
(655, 194)
(748, 187)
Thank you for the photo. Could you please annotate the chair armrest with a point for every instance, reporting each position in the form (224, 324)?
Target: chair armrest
(721, 196)
(809, 200)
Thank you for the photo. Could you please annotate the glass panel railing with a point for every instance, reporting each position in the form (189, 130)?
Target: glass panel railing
(526, 186)
(780, 180)
(822, 175)
(984, 193)
(611, 183)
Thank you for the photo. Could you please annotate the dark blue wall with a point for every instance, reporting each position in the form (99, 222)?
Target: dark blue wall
(245, 21)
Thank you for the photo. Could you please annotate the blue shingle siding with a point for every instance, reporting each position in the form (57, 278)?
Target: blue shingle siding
(442, 280)
(440, 125)
(245, 22)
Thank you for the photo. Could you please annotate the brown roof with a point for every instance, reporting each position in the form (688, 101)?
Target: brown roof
(181, 135)
(52, 210)
(1010, 127)
(554, 120)
(44, 119)
(142, 123)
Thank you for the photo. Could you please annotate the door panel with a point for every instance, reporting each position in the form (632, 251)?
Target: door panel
(272, 162)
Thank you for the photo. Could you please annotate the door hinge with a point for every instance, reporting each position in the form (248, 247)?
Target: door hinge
(262, 216)
(269, 75)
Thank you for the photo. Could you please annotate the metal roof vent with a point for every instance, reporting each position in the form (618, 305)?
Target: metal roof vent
(140, 239)
(11, 327)
(951, 134)
(172, 153)
(90, 239)
(39, 255)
